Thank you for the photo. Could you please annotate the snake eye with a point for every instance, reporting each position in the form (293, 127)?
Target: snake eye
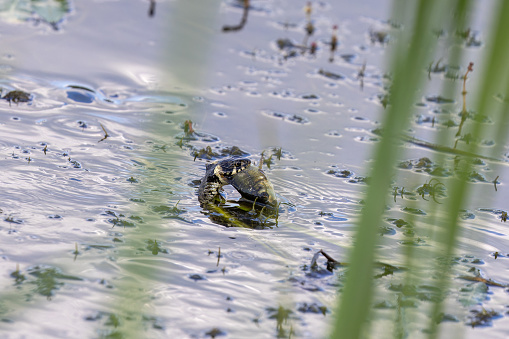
(238, 163)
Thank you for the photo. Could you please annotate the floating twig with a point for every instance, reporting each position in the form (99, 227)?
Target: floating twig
(488, 282)
(106, 135)
(310, 29)
(331, 262)
(333, 42)
(361, 74)
(76, 252)
(152, 8)
(495, 183)
(329, 258)
(445, 149)
(242, 21)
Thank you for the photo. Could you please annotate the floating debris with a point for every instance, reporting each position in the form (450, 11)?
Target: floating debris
(197, 277)
(438, 99)
(19, 278)
(331, 75)
(169, 212)
(333, 42)
(469, 37)
(313, 308)
(482, 317)
(205, 153)
(488, 282)
(433, 188)
(347, 174)
(309, 28)
(331, 262)
(379, 36)
(243, 20)
(154, 247)
(152, 8)
(106, 135)
(436, 68)
(215, 332)
(17, 97)
(288, 117)
(190, 134)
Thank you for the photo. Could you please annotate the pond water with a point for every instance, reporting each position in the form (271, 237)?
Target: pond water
(101, 231)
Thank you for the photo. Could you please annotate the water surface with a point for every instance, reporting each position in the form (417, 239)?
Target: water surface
(101, 227)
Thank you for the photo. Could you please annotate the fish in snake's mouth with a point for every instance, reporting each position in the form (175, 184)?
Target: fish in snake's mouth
(250, 181)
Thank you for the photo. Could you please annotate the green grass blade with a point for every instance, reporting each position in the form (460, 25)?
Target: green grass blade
(412, 52)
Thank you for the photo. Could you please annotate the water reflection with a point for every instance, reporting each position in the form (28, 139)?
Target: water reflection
(244, 214)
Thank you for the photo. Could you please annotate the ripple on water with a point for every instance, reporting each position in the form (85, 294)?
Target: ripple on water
(304, 201)
(220, 114)
(240, 255)
(83, 97)
(287, 117)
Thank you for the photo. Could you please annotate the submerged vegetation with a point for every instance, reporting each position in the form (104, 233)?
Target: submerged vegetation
(51, 12)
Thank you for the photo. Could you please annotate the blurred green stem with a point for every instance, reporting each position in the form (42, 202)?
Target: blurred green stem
(413, 48)
(494, 79)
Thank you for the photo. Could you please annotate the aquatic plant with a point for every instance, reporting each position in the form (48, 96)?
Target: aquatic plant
(414, 47)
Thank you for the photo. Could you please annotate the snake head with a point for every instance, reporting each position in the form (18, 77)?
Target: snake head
(226, 169)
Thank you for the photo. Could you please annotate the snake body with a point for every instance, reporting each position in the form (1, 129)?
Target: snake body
(250, 181)
(218, 174)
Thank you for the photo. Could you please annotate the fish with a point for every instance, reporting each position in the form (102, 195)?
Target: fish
(254, 185)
